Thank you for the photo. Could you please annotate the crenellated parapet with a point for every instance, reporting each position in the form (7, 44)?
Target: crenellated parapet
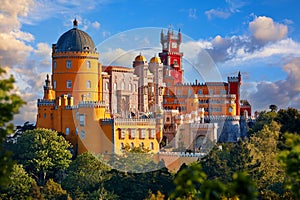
(45, 102)
(222, 118)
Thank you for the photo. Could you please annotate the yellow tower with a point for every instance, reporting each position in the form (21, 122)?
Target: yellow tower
(75, 66)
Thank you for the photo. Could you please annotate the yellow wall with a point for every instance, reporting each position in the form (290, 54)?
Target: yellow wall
(128, 126)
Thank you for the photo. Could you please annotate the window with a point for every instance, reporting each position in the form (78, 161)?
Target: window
(190, 91)
(69, 64)
(152, 134)
(142, 145)
(115, 86)
(168, 119)
(54, 84)
(82, 134)
(45, 115)
(77, 115)
(67, 131)
(211, 91)
(131, 145)
(54, 64)
(88, 95)
(200, 91)
(81, 120)
(88, 64)
(132, 133)
(122, 86)
(88, 84)
(151, 146)
(122, 134)
(143, 134)
(178, 92)
(129, 87)
(134, 87)
(223, 92)
(69, 84)
(106, 86)
(76, 130)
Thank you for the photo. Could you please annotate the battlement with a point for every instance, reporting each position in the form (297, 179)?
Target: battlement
(44, 102)
(222, 118)
(136, 122)
(233, 79)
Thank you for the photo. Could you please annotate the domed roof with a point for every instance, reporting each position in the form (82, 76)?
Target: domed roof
(75, 40)
(140, 58)
(155, 59)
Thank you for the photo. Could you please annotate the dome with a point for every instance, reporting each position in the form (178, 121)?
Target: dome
(155, 59)
(140, 58)
(75, 40)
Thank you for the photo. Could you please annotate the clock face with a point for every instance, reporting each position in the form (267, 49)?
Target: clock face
(174, 45)
(230, 109)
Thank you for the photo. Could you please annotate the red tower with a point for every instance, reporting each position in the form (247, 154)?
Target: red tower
(171, 56)
(234, 84)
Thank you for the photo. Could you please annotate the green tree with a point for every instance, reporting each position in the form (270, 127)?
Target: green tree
(140, 183)
(43, 153)
(85, 175)
(290, 159)
(20, 184)
(53, 190)
(273, 108)
(289, 120)
(263, 145)
(9, 106)
(188, 182)
(222, 163)
(264, 118)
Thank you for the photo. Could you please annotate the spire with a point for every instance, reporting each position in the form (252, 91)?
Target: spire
(75, 23)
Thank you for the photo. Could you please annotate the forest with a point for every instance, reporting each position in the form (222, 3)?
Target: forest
(40, 165)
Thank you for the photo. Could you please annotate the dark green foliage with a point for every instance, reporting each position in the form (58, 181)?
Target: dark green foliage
(222, 163)
(20, 184)
(52, 190)
(289, 120)
(188, 182)
(290, 159)
(43, 153)
(137, 185)
(85, 176)
(264, 118)
(9, 106)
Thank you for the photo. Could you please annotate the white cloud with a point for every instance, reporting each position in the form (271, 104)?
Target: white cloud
(283, 93)
(265, 29)
(217, 13)
(193, 13)
(96, 25)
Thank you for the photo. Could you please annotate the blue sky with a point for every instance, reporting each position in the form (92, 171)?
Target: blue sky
(259, 38)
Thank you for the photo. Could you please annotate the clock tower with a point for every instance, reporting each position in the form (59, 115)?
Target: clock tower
(171, 56)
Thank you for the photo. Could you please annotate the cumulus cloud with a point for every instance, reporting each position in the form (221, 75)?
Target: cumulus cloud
(283, 93)
(265, 29)
(17, 56)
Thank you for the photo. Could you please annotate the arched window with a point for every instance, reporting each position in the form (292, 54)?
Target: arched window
(88, 84)
(82, 134)
(115, 86)
(151, 146)
(129, 86)
(122, 86)
(88, 64)
(67, 131)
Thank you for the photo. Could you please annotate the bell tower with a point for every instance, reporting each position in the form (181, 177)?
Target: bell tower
(171, 56)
